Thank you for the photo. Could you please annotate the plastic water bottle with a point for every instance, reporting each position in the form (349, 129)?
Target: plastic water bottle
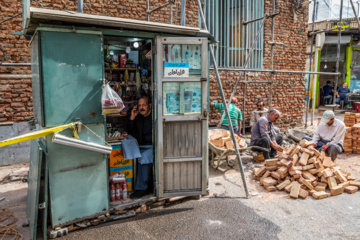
(124, 191)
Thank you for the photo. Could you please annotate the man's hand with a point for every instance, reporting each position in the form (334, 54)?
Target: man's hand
(314, 145)
(279, 149)
(134, 113)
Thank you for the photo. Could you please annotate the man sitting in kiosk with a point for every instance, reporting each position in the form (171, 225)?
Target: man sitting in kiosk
(140, 127)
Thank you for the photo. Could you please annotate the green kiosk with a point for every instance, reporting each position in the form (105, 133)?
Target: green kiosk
(73, 55)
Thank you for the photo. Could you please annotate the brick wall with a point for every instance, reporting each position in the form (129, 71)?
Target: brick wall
(288, 89)
(15, 93)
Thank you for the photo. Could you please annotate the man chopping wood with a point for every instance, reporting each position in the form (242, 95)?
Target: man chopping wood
(329, 135)
(263, 134)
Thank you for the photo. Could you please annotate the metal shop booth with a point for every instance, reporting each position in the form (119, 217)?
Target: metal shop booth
(73, 55)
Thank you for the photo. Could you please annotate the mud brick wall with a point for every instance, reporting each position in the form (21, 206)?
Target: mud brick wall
(15, 92)
(288, 89)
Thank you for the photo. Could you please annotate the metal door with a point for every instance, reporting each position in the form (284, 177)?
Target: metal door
(181, 119)
(72, 71)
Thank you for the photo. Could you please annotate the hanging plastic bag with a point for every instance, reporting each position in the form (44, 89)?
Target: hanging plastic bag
(110, 101)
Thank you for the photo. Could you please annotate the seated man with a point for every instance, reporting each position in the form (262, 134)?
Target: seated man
(263, 134)
(235, 115)
(329, 135)
(328, 91)
(258, 113)
(140, 126)
(341, 94)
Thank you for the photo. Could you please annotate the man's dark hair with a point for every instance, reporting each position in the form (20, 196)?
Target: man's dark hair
(146, 98)
(328, 82)
(260, 101)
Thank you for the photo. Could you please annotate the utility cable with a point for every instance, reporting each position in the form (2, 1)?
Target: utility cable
(7, 228)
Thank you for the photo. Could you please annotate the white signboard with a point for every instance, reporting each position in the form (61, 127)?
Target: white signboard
(176, 70)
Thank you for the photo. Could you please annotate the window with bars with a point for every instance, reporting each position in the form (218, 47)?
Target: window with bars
(224, 19)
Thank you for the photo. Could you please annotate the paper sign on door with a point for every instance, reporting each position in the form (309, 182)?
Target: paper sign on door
(176, 70)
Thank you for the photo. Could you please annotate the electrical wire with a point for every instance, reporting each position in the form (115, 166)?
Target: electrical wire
(7, 228)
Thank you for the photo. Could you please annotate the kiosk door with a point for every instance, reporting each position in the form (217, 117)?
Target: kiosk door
(181, 119)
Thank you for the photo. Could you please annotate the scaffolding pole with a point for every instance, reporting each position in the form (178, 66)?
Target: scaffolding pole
(272, 53)
(356, 16)
(224, 101)
(311, 62)
(245, 65)
(338, 51)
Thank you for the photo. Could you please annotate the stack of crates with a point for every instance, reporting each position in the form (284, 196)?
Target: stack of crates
(118, 164)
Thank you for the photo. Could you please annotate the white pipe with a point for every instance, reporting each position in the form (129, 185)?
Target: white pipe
(72, 142)
(314, 84)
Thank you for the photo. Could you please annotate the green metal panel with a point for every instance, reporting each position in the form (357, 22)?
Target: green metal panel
(36, 156)
(77, 178)
(36, 79)
(73, 67)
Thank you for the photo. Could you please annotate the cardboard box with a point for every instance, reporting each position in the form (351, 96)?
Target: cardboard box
(117, 158)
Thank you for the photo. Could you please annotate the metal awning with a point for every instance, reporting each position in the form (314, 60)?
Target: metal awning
(37, 16)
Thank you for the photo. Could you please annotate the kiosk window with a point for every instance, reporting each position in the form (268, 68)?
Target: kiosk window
(180, 98)
(182, 60)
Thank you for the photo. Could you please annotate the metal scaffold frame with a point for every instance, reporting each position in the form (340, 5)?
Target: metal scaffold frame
(272, 71)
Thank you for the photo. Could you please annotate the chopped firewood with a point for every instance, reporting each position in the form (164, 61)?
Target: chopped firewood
(337, 190)
(295, 159)
(312, 159)
(322, 184)
(266, 174)
(320, 195)
(350, 189)
(218, 142)
(288, 187)
(283, 170)
(295, 151)
(350, 178)
(344, 184)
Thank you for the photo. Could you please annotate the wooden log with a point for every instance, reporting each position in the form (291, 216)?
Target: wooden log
(260, 171)
(303, 193)
(283, 184)
(271, 162)
(332, 182)
(304, 159)
(340, 176)
(295, 190)
(320, 195)
(337, 190)
(350, 189)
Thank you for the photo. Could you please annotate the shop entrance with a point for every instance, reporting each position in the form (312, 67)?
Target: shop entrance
(128, 70)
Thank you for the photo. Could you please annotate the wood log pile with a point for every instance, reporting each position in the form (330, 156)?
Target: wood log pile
(302, 170)
(350, 119)
(221, 138)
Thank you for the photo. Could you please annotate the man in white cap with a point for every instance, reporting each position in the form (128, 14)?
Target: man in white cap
(329, 135)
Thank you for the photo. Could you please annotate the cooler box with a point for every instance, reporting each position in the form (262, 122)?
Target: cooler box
(119, 164)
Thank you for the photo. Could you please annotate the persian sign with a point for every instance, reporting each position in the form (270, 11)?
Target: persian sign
(176, 70)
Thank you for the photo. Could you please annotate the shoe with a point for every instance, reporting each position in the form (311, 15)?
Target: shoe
(138, 194)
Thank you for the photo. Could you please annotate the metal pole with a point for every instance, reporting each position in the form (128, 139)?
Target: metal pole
(314, 85)
(245, 48)
(311, 56)
(272, 54)
(15, 64)
(183, 10)
(244, 94)
(277, 71)
(80, 6)
(338, 52)
(224, 101)
(245, 64)
(147, 11)
(356, 17)
(171, 12)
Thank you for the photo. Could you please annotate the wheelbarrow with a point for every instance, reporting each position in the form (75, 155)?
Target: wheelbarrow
(216, 153)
